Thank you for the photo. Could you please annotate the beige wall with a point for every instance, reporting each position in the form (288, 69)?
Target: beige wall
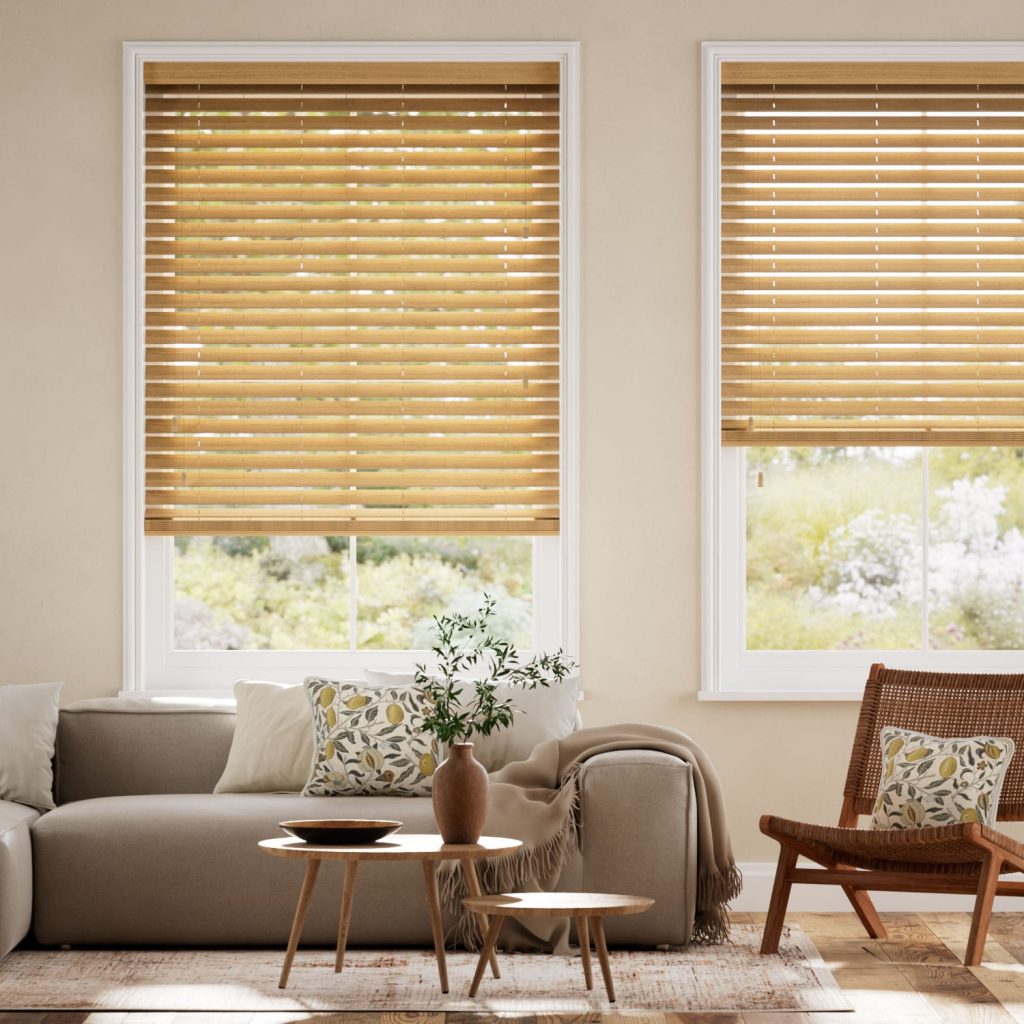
(60, 335)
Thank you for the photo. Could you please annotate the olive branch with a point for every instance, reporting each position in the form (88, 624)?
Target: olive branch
(463, 644)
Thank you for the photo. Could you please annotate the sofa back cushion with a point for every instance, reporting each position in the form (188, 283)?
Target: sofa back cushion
(124, 747)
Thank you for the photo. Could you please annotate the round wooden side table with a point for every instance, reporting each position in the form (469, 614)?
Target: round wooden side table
(588, 909)
(428, 849)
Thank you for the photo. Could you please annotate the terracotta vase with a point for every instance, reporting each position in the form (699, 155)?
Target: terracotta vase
(460, 795)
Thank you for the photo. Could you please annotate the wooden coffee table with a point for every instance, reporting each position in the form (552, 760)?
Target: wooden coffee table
(428, 849)
(584, 907)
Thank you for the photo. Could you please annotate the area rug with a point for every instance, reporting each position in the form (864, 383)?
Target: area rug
(728, 977)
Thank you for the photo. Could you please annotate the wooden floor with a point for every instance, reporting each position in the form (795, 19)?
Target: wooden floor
(914, 978)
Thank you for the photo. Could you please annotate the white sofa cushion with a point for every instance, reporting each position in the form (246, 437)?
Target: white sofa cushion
(272, 748)
(28, 732)
(546, 713)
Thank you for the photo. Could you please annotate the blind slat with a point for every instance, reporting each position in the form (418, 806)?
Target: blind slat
(328, 460)
(300, 444)
(377, 249)
(359, 318)
(497, 75)
(480, 479)
(379, 391)
(900, 75)
(345, 266)
(405, 102)
(305, 192)
(366, 353)
(223, 336)
(401, 174)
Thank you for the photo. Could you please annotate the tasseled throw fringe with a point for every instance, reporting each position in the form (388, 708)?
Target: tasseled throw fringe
(715, 891)
(521, 870)
(515, 873)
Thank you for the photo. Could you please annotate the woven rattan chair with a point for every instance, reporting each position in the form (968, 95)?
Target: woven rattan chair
(961, 858)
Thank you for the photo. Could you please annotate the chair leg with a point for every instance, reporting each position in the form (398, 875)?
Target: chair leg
(983, 910)
(865, 910)
(780, 898)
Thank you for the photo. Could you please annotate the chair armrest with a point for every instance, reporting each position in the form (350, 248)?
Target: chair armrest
(639, 837)
(15, 873)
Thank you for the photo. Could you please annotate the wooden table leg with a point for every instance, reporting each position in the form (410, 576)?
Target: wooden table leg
(436, 923)
(312, 868)
(602, 956)
(490, 941)
(346, 913)
(473, 885)
(583, 934)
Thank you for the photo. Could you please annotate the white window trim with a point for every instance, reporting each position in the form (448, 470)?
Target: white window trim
(728, 671)
(148, 663)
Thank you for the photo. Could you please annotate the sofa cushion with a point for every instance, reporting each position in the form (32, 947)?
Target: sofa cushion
(272, 748)
(546, 713)
(122, 746)
(15, 873)
(186, 870)
(28, 725)
(369, 740)
(928, 780)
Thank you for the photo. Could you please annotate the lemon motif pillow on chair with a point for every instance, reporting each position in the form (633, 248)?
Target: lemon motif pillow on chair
(927, 781)
(368, 741)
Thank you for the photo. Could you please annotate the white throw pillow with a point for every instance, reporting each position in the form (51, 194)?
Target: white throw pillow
(377, 678)
(547, 713)
(28, 732)
(272, 747)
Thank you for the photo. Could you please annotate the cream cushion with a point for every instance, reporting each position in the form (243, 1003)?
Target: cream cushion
(272, 747)
(28, 730)
(546, 713)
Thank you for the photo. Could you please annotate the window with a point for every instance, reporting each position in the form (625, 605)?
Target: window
(885, 549)
(864, 372)
(336, 593)
(353, 345)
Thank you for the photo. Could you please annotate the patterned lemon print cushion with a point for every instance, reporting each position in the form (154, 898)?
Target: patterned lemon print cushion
(929, 781)
(368, 741)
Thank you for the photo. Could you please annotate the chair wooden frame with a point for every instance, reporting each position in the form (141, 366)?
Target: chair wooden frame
(963, 858)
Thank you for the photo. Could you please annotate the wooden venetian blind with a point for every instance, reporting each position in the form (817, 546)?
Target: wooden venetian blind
(872, 235)
(352, 298)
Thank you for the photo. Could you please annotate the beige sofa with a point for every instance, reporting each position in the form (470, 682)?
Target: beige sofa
(140, 851)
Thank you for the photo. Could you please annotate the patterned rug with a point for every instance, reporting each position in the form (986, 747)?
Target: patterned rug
(729, 977)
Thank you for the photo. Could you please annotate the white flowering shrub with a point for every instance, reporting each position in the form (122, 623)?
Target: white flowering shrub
(975, 573)
(197, 628)
(872, 564)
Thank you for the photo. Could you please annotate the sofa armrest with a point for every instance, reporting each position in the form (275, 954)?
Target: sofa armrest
(15, 873)
(639, 837)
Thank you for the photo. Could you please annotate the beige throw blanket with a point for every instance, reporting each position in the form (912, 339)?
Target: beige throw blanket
(537, 801)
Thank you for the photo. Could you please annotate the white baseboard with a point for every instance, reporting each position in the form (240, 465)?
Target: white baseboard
(757, 889)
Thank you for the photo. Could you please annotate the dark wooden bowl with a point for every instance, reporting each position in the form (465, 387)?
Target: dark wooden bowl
(340, 832)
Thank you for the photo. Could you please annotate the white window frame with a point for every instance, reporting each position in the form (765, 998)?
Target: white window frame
(150, 663)
(728, 670)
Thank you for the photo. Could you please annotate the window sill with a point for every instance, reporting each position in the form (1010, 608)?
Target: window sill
(727, 696)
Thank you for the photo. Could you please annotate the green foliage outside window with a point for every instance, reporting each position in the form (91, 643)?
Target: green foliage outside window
(834, 549)
(293, 593)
